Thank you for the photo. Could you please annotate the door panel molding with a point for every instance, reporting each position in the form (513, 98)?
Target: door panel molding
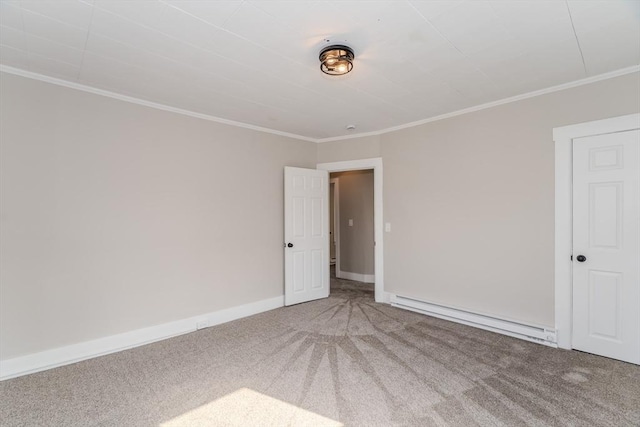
(306, 235)
(563, 139)
(606, 232)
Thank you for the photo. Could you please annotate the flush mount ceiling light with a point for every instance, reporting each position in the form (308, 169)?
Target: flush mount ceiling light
(336, 60)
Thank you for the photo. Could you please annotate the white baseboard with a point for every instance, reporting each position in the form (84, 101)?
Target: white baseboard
(528, 332)
(386, 297)
(366, 278)
(48, 359)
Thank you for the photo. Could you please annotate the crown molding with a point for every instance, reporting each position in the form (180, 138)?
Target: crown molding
(131, 99)
(576, 83)
(134, 100)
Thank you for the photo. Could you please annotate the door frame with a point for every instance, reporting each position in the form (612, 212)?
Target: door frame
(563, 139)
(336, 220)
(376, 165)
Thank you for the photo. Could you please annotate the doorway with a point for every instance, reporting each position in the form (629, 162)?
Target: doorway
(598, 237)
(375, 165)
(334, 196)
(353, 231)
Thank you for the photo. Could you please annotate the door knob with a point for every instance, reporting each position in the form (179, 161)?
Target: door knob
(581, 258)
(289, 245)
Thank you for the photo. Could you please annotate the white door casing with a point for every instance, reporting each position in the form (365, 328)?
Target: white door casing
(376, 165)
(563, 248)
(306, 234)
(606, 245)
(336, 220)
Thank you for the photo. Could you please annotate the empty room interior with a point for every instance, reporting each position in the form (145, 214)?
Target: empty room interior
(319, 213)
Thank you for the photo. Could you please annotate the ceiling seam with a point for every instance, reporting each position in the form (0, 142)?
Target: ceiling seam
(234, 13)
(584, 65)
(86, 42)
(452, 45)
(24, 35)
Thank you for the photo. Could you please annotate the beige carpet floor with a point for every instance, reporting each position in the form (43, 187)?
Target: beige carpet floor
(344, 360)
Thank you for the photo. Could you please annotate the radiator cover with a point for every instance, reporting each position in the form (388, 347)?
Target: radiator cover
(533, 333)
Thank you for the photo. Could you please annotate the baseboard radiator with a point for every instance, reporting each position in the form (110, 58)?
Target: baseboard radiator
(523, 331)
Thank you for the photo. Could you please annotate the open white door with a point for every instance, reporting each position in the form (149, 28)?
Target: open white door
(606, 245)
(306, 235)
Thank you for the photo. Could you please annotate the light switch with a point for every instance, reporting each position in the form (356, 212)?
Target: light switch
(350, 223)
(387, 227)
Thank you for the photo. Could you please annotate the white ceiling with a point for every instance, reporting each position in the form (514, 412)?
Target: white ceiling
(256, 62)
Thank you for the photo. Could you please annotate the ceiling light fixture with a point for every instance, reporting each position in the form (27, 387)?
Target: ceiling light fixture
(336, 60)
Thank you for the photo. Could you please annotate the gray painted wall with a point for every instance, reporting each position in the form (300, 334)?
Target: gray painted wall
(471, 199)
(116, 216)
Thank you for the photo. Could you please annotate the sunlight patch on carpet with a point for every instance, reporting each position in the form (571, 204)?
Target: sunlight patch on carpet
(246, 407)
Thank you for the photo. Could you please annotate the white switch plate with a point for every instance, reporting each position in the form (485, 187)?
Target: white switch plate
(387, 227)
(350, 223)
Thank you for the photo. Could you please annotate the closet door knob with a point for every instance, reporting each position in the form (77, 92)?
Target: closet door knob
(289, 245)
(581, 258)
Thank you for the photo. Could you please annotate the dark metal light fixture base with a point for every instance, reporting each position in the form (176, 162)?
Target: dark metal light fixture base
(336, 60)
